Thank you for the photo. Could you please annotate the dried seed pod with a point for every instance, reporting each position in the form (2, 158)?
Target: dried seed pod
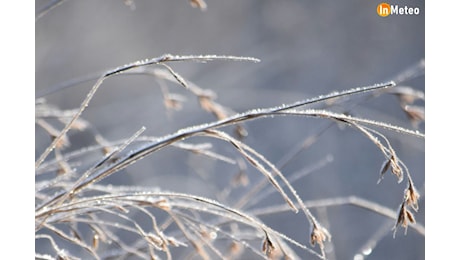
(235, 250)
(240, 132)
(319, 235)
(130, 4)
(385, 166)
(267, 246)
(96, 239)
(416, 114)
(156, 241)
(411, 196)
(404, 218)
(163, 204)
(396, 168)
(199, 3)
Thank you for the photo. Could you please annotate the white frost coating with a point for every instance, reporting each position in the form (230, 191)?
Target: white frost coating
(205, 58)
(332, 115)
(284, 109)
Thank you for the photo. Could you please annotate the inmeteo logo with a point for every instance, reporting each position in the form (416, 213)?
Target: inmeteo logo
(384, 10)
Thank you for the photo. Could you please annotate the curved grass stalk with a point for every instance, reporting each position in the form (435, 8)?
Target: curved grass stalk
(127, 67)
(340, 201)
(357, 120)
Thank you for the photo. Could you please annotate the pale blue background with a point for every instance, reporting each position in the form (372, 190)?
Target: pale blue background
(307, 48)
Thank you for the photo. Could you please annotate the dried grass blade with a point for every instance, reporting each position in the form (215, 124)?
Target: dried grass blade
(244, 149)
(75, 241)
(121, 69)
(348, 118)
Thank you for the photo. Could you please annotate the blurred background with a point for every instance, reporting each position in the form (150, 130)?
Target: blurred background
(306, 48)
